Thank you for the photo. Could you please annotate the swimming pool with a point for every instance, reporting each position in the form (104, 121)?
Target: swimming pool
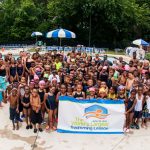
(110, 58)
(15, 56)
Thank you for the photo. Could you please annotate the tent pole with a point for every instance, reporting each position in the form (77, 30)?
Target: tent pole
(36, 41)
(60, 41)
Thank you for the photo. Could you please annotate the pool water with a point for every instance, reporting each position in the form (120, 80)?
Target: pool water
(111, 59)
(15, 56)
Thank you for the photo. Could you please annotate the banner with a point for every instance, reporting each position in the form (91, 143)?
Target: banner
(95, 116)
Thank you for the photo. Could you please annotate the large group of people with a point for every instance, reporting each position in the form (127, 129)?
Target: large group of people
(37, 81)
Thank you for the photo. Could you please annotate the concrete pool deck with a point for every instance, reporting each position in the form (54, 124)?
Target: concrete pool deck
(23, 139)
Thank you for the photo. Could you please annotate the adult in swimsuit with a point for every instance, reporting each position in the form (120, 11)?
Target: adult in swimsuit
(12, 71)
(20, 69)
(50, 105)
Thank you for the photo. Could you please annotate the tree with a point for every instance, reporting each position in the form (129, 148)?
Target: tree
(110, 23)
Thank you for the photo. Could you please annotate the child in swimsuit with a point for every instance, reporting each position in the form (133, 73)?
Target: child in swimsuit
(79, 94)
(36, 116)
(14, 108)
(138, 107)
(50, 105)
(92, 94)
(112, 95)
(26, 107)
(130, 104)
(69, 90)
(41, 94)
(121, 93)
(102, 93)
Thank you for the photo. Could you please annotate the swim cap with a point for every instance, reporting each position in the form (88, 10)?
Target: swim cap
(36, 77)
(92, 89)
(37, 70)
(127, 67)
(41, 82)
(102, 90)
(105, 67)
(54, 79)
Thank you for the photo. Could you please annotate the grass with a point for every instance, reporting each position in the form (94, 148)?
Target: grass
(115, 53)
(31, 50)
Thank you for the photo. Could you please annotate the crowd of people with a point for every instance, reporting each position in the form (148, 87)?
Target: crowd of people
(37, 81)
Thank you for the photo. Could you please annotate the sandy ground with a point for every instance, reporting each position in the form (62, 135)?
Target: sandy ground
(24, 139)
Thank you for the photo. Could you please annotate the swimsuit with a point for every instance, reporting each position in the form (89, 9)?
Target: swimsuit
(130, 104)
(78, 95)
(28, 65)
(41, 94)
(50, 102)
(19, 70)
(13, 71)
(3, 72)
(26, 100)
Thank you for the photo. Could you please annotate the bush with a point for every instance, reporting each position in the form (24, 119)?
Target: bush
(147, 56)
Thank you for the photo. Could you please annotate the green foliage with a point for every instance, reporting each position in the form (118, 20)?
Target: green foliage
(116, 22)
(147, 56)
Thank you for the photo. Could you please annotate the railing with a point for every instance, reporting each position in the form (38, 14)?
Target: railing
(58, 48)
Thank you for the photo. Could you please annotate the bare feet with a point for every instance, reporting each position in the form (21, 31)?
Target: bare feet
(47, 128)
(54, 128)
(17, 128)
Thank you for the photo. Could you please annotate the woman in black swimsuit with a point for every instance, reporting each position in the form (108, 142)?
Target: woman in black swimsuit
(26, 107)
(20, 69)
(13, 71)
(50, 105)
(3, 70)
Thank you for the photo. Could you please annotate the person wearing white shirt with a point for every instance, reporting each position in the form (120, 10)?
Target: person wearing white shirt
(54, 76)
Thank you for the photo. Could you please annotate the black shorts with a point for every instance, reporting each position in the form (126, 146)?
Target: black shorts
(13, 114)
(36, 117)
(24, 107)
(137, 114)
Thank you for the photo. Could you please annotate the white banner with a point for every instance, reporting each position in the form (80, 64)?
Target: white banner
(90, 116)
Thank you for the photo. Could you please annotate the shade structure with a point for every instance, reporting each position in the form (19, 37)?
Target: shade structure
(140, 42)
(36, 34)
(60, 33)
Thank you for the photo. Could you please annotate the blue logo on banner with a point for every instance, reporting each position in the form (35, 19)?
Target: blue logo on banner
(96, 111)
